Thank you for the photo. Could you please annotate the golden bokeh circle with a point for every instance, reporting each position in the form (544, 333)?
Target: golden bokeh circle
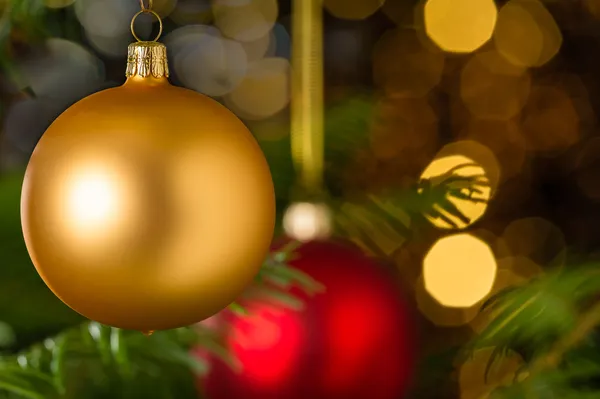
(504, 138)
(492, 88)
(439, 314)
(460, 26)
(403, 66)
(264, 91)
(467, 159)
(480, 154)
(550, 121)
(459, 270)
(526, 33)
(245, 21)
(400, 12)
(404, 128)
(535, 240)
(460, 166)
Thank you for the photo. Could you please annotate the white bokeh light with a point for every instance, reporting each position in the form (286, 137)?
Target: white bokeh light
(306, 221)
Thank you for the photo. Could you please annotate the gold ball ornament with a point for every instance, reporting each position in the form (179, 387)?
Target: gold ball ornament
(147, 206)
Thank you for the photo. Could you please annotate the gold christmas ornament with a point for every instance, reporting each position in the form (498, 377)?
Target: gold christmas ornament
(147, 206)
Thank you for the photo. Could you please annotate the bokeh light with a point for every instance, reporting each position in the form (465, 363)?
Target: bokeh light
(537, 239)
(272, 129)
(264, 91)
(178, 39)
(439, 314)
(593, 6)
(63, 70)
(404, 66)
(550, 120)
(106, 17)
(306, 221)
(493, 88)
(192, 12)
(400, 12)
(460, 26)
(164, 7)
(480, 154)
(257, 49)
(459, 270)
(405, 128)
(526, 33)
(355, 9)
(116, 46)
(205, 61)
(466, 159)
(458, 165)
(504, 138)
(521, 266)
(246, 20)
(23, 131)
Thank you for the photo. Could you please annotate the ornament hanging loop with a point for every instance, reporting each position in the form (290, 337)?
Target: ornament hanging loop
(146, 11)
(143, 5)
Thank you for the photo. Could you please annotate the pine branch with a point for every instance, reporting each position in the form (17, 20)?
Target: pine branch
(542, 318)
(381, 224)
(587, 323)
(49, 369)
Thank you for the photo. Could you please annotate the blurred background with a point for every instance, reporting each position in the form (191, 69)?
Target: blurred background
(414, 90)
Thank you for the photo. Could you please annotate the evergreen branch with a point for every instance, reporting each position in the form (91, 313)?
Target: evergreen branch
(48, 370)
(381, 224)
(587, 323)
(542, 319)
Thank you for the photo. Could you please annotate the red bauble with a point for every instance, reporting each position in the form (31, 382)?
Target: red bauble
(354, 341)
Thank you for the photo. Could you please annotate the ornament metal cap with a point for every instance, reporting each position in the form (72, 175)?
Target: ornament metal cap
(146, 59)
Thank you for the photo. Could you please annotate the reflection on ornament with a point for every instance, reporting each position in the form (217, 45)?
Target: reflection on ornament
(306, 221)
(147, 206)
(459, 270)
(92, 200)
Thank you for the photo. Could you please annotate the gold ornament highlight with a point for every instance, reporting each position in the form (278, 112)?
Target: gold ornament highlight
(147, 206)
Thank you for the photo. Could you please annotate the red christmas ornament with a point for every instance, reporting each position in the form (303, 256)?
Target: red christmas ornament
(354, 341)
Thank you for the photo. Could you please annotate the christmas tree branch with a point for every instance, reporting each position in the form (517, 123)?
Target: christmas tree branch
(51, 368)
(549, 318)
(587, 323)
